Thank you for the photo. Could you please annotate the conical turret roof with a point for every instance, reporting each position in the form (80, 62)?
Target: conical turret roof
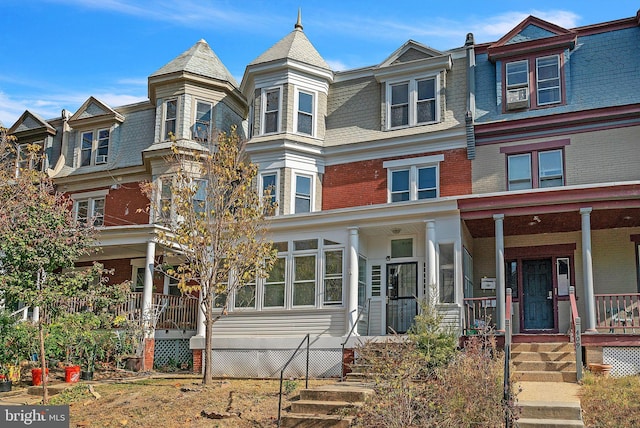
(199, 59)
(295, 46)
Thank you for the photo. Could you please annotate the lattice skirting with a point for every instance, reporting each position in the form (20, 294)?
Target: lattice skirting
(267, 363)
(625, 361)
(174, 349)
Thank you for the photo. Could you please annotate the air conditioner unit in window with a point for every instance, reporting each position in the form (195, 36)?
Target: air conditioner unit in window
(517, 98)
(100, 159)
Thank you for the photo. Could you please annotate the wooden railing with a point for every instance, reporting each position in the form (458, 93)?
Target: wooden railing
(575, 332)
(177, 312)
(480, 314)
(618, 313)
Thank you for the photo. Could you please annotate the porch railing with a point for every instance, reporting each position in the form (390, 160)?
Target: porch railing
(480, 314)
(618, 313)
(575, 332)
(180, 312)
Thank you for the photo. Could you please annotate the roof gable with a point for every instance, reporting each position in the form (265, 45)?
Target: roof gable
(31, 123)
(295, 46)
(410, 51)
(94, 111)
(530, 35)
(198, 59)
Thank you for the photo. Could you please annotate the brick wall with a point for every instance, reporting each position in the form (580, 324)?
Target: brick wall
(149, 348)
(197, 360)
(122, 206)
(365, 183)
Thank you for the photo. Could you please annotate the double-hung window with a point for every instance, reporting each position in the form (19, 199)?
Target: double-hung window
(165, 201)
(544, 72)
(536, 169)
(94, 147)
(333, 277)
(199, 199)
(303, 201)
(170, 118)
(202, 125)
(412, 102)
(269, 191)
(305, 108)
(274, 285)
(30, 156)
(271, 110)
(413, 179)
(90, 209)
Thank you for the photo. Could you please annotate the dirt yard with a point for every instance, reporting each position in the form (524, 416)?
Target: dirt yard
(179, 403)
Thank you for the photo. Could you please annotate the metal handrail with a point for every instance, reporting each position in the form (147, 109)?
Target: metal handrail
(306, 382)
(355, 324)
(506, 394)
(575, 331)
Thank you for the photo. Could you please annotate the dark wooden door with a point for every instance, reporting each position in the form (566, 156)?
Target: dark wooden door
(537, 290)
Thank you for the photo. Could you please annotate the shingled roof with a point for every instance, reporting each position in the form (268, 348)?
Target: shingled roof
(295, 46)
(201, 60)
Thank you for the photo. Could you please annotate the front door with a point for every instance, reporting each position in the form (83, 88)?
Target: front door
(537, 290)
(402, 289)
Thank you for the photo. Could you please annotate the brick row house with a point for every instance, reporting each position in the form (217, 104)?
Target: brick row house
(444, 176)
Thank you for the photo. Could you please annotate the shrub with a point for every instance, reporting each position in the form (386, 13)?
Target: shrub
(436, 342)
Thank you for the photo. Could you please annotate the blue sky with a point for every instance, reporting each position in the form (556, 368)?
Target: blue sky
(57, 53)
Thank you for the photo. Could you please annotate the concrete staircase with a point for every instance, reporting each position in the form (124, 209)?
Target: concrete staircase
(319, 407)
(546, 374)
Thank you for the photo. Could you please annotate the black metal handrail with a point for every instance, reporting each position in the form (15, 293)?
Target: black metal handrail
(306, 381)
(507, 357)
(355, 324)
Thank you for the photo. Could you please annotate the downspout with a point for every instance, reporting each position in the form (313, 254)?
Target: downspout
(471, 97)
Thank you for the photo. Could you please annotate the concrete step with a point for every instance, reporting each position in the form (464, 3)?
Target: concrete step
(357, 377)
(547, 423)
(553, 366)
(550, 410)
(338, 392)
(314, 407)
(316, 421)
(543, 347)
(544, 376)
(543, 356)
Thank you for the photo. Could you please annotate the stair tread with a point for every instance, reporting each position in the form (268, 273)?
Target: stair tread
(329, 402)
(551, 422)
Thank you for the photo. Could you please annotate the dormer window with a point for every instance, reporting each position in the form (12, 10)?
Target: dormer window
(170, 118)
(30, 156)
(544, 72)
(412, 102)
(94, 147)
(202, 125)
(271, 106)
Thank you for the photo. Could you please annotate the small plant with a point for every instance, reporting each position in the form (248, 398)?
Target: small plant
(290, 386)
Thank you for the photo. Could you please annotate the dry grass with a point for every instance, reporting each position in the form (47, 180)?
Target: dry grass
(179, 403)
(610, 402)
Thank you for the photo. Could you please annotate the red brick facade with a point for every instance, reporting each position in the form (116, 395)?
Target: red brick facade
(197, 360)
(365, 182)
(126, 205)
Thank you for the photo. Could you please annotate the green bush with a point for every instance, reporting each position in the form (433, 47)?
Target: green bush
(437, 343)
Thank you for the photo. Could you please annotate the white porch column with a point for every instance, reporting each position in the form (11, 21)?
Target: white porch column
(202, 325)
(352, 283)
(431, 286)
(587, 271)
(147, 292)
(500, 280)
(35, 315)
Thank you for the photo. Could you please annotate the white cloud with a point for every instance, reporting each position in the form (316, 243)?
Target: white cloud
(336, 64)
(492, 28)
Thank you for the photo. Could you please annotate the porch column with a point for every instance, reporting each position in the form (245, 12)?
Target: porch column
(587, 271)
(352, 283)
(147, 292)
(35, 315)
(500, 282)
(432, 290)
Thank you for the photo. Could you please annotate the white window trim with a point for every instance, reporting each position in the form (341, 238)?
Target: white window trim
(163, 135)
(195, 119)
(310, 175)
(263, 109)
(277, 186)
(557, 57)
(94, 146)
(314, 104)
(413, 100)
(413, 164)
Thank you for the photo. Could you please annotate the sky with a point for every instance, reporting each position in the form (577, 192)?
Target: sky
(57, 53)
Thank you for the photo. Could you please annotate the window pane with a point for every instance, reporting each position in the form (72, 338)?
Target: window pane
(427, 183)
(564, 277)
(304, 280)
(305, 123)
(271, 122)
(333, 262)
(271, 111)
(98, 212)
(305, 268)
(303, 194)
(400, 94)
(171, 109)
(548, 75)
(246, 296)
(203, 121)
(273, 295)
(517, 73)
(278, 271)
(399, 115)
(200, 197)
(550, 163)
(519, 171)
(401, 248)
(333, 291)
(307, 244)
(87, 145)
(305, 102)
(400, 181)
(512, 277)
(447, 290)
(426, 89)
(82, 211)
(400, 105)
(273, 100)
(269, 188)
(304, 294)
(362, 280)
(426, 111)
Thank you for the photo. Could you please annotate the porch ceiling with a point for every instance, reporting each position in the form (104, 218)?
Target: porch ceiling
(538, 221)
